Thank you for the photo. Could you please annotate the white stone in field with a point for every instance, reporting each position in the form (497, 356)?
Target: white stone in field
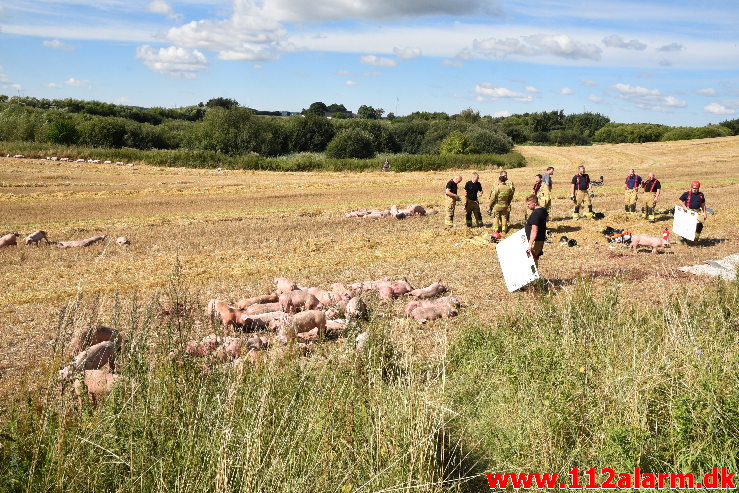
(725, 268)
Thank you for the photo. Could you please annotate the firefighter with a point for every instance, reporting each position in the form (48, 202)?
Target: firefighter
(501, 198)
(538, 186)
(471, 205)
(652, 189)
(694, 200)
(545, 192)
(631, 191)
(581, 193)
(536, 227)
(453, 198)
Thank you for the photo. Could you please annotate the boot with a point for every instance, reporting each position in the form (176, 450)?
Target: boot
(627, 208)
(589, 214)
(650, 214)
(633, 208)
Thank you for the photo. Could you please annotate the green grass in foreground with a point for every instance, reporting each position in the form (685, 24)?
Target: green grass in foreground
(581, 380)
(295, 162)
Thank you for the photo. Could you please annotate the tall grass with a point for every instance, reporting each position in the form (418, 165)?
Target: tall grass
(579, 380)
(295, 162)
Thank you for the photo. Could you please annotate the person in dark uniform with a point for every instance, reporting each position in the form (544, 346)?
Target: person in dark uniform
(694, 200)
(452, 199)
(536, 227)
(472, 206)
(386, 165)
(582, 192)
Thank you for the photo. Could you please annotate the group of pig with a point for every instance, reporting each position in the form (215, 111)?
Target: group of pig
(72, 160)
(393, 211)
(39, 236)
(92, 370)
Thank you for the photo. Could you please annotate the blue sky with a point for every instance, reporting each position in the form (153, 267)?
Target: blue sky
(674, 62)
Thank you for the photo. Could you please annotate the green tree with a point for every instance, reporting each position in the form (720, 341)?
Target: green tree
(489, 142)
(226, 103)
(369, 113)
(351, 143)
(456, 143)
(318, 109)
(63, 132)
(468, 115)
(310, 133)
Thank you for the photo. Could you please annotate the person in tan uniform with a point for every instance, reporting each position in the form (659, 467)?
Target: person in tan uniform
(581, 193)
(650, 196)
(452, 199)
(501, 198)
(631, 191)
(544, 193)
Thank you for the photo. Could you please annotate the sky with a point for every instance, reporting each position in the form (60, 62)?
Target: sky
(674, 62)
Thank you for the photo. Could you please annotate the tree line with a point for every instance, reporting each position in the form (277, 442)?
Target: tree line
(223, 125)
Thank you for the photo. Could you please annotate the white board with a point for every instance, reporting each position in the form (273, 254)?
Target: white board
(518, 266)
(685, 223)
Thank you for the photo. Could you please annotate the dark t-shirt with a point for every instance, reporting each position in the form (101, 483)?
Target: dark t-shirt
(472, 189)
(581, 182)
(538, 217)
(452, 186)
(652, 185)
(633, 182)
(696, 200)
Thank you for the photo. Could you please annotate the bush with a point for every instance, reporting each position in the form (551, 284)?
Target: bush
(456, 143)
(687, 133)
(567, 138)
(63, 132)
(102, 132)
(310, 133)
(409, 135)
(489, 142)
(616, 133)
(351, 143)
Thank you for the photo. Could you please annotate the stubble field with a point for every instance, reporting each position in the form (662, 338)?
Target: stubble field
(228, 234)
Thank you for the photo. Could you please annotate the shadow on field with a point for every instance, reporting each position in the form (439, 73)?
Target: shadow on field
(563, 228)
(709, 242)
(461, 470)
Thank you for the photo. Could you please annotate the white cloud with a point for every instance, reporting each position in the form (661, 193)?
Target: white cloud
(249, 34)
(595, 99)
(57, 45)
(708, 91)
(488, 90)
(452, 63)
(407, 53)
(671, 47)
(589, 83)
(615, 41)
(372, 74)
(351, 83)
(316, 10)
(531, 89)
(650, 99)
(503, 113)
(377, 61)
(566, 91)
(164, 8)
(257, 66)
(718, 109)
(665, 63)
(52, 85)
(174, 61)
(538, 44)
(72, 82)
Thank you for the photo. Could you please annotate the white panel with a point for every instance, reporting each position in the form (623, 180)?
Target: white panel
(518, 266)
(684, 223)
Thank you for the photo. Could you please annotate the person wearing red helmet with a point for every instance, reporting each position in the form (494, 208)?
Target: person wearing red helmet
(694, 200)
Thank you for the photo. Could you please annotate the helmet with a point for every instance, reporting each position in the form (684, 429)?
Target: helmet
(495, 235)
(563, 239)
(572, 243)
(695, 184)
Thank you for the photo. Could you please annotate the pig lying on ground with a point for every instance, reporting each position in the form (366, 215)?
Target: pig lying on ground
(440, 310)
(341, 291)
(229, 316)
(449, 301)
(308, 325)
(265, 298)
(86, 337)
(401, 287)
(9, 240)
(36, 237)
(122, 241)
(294, 301)
(649, 241)
(97, 384)
(221, 348)
(92, 358)
(326, 298)
(81, 243)
(263, 321)
(284, 285)
(336, 328)
(431, 291)
(259, 308)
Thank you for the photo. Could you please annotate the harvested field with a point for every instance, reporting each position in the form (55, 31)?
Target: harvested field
(232, 232)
